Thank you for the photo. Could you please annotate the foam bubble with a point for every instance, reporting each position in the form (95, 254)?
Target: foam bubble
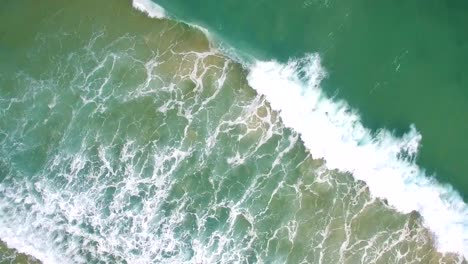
(150, 8)
(334, 132)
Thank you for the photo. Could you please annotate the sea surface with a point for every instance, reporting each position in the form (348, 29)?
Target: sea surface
(233, 131)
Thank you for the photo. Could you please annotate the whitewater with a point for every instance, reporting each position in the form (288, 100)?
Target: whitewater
(386, 163)
(167, 144)
(331, 130)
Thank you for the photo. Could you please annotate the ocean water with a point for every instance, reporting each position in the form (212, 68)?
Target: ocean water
(397, 63)
(129, 136)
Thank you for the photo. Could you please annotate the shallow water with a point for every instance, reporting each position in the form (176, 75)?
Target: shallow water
(398, 63)
(127, 139)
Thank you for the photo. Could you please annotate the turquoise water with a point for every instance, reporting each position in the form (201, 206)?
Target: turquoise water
(398, 63)
(130, 139)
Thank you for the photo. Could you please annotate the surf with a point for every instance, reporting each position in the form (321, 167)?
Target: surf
(332, 131)
(150, 8)
(386, 163)
(157, 148)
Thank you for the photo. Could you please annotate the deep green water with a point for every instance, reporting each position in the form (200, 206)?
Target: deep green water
(397, 62)
(126, 139)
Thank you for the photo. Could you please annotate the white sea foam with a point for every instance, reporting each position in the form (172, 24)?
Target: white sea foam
(14, 240)
(330, 130)
(334, 132)
(149, 7)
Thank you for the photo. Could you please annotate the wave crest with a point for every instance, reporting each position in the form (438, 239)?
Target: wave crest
(333, 131)
(150, 8)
